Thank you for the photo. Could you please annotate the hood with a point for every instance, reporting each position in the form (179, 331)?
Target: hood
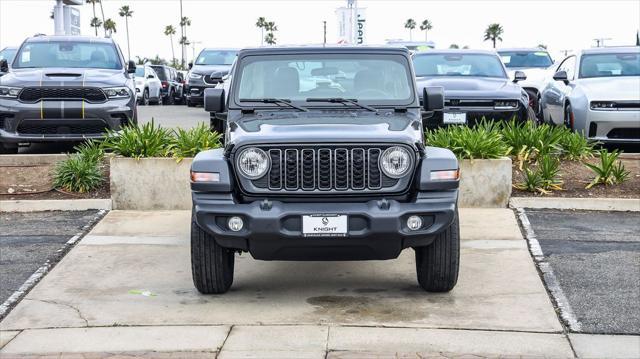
(327, 127)
(209, 69)
(472, 87)
(64, 77)
(611, 88)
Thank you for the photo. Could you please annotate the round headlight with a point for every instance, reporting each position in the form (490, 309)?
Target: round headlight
(253, 163)
(396, 162)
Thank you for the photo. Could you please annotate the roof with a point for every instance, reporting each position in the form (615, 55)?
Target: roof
(611, 50)
(65, 38)
(515, 49)
(328, 48)
(220, 49)
(456, 51)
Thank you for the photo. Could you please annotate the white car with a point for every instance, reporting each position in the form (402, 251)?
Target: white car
(597, 92)
(536, 64)
(148, 85)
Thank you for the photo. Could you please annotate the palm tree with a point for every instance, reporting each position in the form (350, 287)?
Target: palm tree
(270, 39)
(454, 46)
(261, 24)
(271, 26)
(493, 32)
(93, 4)
(169, 30)
(184, 22)
(96, 23)
(110, 25)
(410, 24)
(542, 46)
(125, 12)
(426, 26)
(141, 60)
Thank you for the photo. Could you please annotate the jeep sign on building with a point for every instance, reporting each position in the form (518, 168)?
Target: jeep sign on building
(351, 25)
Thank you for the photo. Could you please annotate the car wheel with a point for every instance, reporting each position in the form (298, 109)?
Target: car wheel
(211, 264)
(569, 119)
(437, 264)
(8, 150)
(145, 97)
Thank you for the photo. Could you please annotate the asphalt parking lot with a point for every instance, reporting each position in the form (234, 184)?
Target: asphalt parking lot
(28, 240)
(595, 257)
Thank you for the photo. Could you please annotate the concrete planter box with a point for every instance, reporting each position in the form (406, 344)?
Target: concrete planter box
(150, 183)
(485, 183)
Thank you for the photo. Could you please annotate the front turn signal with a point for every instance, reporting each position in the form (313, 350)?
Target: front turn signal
(205, 176)
(447, 175)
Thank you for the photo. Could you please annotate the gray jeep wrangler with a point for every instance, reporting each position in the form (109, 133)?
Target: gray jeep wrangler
(324, 159)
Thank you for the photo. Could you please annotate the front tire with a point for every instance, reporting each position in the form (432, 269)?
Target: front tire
(437, 264)
(211, 264)
(145, 97)
(569, 120)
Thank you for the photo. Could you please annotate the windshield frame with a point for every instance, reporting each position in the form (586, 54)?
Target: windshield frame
(118, 55)
(403, 59)
(503, 53)
(496, 57)
(582, 57)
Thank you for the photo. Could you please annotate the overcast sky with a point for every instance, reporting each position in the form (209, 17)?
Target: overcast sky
(560, 24)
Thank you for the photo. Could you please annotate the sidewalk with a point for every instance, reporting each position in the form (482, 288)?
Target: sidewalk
(126, 287)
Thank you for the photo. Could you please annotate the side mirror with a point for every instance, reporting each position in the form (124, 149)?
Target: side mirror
(132, 67)
(190, 65)
(433, 98)
(4, 65)
(214, 100)
(519, 76)
(561, 76)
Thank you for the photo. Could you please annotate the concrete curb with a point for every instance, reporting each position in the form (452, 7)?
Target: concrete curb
(54, 205)
(31, 160)
(589, 204)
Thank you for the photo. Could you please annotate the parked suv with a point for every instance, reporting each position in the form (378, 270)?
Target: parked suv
(65, 89)
(210, 67)
(324, 159)
(148, 85)
(172, 87)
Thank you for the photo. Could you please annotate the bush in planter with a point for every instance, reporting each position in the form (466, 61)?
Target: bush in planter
(187, 143)
(544, 178)
(529, 140)
(81, 171)
(481, 142)
(609, 171)
(138, 142)
(576, 147)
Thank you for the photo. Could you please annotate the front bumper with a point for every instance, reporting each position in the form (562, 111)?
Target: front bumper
(613, 126)
(376, 228)
(476, 115)
(195, 93)
(55, 121)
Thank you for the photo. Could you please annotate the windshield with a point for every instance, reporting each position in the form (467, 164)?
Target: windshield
(610, 65)
(525, 59)
(68, 54)
(477, 65)
(385, 79)
(162, 75)
(7, 54)
(216, 57)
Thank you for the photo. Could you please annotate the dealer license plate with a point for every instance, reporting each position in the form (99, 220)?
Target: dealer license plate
(324, 226)
(454, 118)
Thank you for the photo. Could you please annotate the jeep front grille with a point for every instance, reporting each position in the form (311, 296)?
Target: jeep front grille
(337, 168)
(34, 94)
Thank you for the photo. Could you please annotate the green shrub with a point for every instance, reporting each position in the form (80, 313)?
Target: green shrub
(528, 140)
(576, 147)
(544, 178)
(532, 181)
(138, 141)
(481, 142)
(91, 151)
(609, 171)
(187, 143)
(77, 174)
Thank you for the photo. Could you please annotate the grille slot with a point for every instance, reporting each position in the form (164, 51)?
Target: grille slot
(325, 169)
(79, 127)
(34, 94)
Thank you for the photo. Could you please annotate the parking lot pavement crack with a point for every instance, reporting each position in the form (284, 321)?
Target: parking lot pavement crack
(225, 339)
(64, 305)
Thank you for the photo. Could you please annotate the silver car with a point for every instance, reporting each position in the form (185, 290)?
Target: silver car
(597, 92)
(148, 86)
(61, 88)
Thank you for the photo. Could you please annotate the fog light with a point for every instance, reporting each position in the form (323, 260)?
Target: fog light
(414, 223)
(235, 224)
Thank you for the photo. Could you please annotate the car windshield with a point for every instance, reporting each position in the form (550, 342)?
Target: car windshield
(7, 54)
(216, 57)
(478, 65)
(140, 71)
(384, 79)
(68, 54)
(610, 65)
(162, 75)
(516, 59)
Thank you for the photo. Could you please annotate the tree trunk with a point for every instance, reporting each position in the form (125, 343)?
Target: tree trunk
(410, 35)
(262, 36)
(425, 35)
(494, 42)
(173, 50)
(126, 22)
(94, 16)
(102, 11)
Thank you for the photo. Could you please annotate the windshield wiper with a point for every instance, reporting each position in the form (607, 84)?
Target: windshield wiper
(343, 101)
(277, 101)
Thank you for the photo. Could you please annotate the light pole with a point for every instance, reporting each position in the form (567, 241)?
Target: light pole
(324, 43)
